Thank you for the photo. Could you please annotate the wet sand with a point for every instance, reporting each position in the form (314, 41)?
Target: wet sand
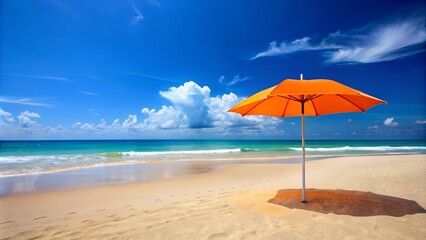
(122, 173)
(369, 197)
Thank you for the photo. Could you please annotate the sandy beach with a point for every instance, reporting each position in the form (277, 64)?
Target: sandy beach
(368, 197)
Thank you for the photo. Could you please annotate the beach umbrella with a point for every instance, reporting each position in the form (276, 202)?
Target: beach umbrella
(314, 97)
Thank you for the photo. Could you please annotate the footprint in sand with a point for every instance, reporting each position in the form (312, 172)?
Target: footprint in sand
(71, 213)
(250, 235)
(49, 228)
(222, 235)
(58, 233)
(130, 207)
(36, 237)
(100, 210)
(117, 219)
(37, 218)
(7, 222)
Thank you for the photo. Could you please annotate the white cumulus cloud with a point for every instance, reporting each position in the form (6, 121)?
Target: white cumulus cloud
(116, 123)
(7, 116)
(192, 110)
(193, 107)
(25, 120)
(87, 127)
(103, 124)
(166, 117)
(390, 122)
(130, 122)
(191, 100)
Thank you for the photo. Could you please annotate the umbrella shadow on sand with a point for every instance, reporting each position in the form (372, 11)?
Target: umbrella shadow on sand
(344, 202)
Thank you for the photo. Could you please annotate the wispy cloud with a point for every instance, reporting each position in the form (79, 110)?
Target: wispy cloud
(372, 43)
(24, 101)
(297, 45)
(93, 77)
(233, 81)
(420, 122)
(64, 6)
(154, 3)
(152, 77)
(138, 15)
(88, 93)
(55, 78)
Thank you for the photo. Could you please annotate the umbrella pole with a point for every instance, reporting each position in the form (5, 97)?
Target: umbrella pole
(303, 147)
(303, 150)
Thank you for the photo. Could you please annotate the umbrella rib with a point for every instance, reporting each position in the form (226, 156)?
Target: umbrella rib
(362, 110)
(308, 98)
(285, 109)
(290, 97)
(312, 97)
(253, 107)
(313, 105)
(315, 109)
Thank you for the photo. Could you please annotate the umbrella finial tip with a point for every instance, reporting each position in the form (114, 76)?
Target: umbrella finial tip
(301, 76)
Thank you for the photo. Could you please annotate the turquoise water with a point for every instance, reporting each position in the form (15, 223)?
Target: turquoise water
(25, 157)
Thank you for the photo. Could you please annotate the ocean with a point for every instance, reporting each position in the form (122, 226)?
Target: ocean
(31, 157)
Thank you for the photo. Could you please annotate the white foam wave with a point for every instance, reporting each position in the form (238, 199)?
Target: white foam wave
(95, 158)
(217, 151)
(377, 149)
(49, 158)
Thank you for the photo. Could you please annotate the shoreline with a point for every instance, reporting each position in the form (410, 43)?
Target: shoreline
(137, 172)
(246, 160)
(238, 201)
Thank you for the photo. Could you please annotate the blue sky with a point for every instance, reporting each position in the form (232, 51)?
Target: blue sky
(171, 69)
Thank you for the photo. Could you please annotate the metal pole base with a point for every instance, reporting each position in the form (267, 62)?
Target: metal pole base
(303, 201)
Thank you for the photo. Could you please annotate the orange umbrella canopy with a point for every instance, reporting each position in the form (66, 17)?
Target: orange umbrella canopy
(314, 97)
(305, 98)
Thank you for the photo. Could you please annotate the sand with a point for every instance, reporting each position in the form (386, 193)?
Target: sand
(368, 197)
